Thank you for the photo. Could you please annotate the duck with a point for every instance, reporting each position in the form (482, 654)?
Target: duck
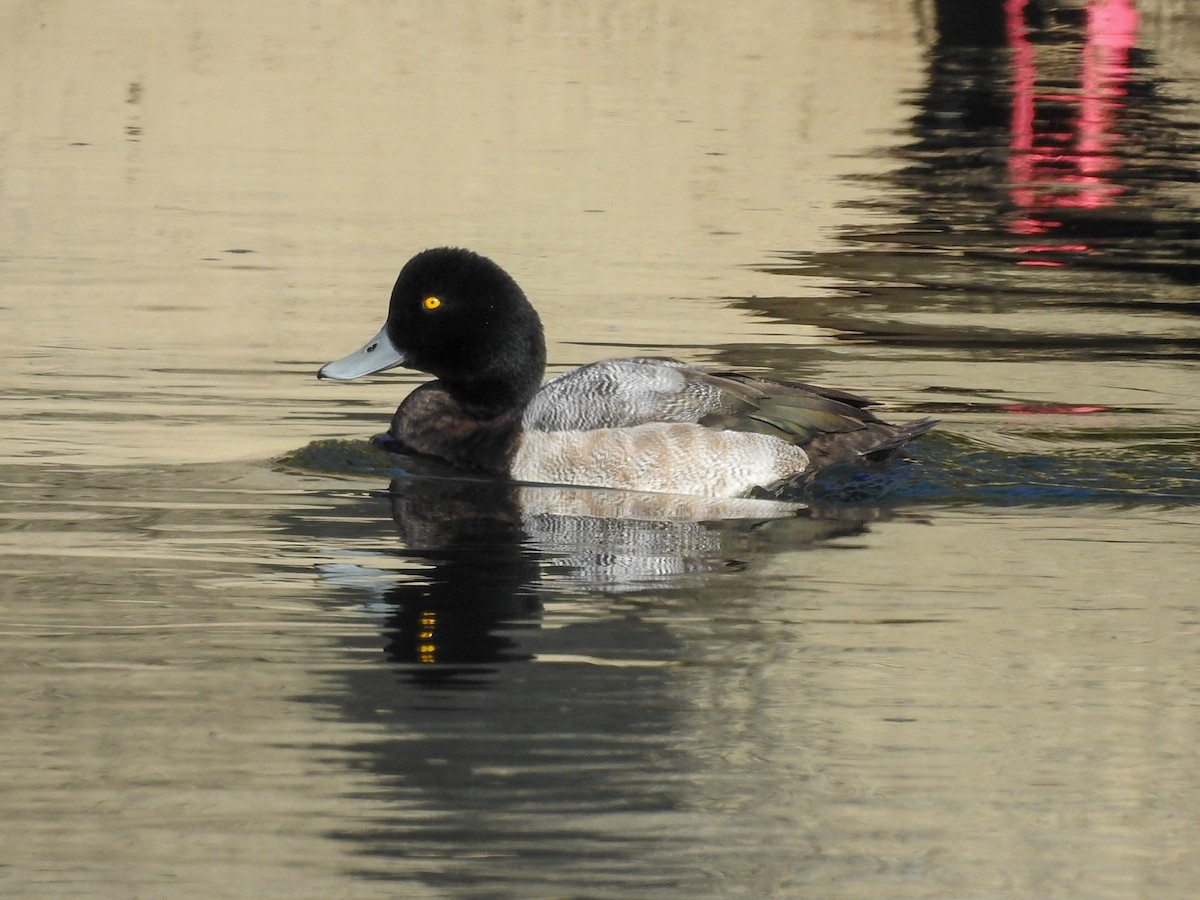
(650, 424)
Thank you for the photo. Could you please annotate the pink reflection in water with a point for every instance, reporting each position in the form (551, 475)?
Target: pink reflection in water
(1063, 158)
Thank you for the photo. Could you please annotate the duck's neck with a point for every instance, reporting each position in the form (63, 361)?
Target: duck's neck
(482, 437)
(503, 379)
(486, 398)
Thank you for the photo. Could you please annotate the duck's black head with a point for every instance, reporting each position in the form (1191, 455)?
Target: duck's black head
(459, 316)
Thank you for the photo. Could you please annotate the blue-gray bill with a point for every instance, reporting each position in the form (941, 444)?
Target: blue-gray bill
(377, 355)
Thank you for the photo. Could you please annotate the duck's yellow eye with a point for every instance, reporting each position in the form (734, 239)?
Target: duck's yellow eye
(431, 303)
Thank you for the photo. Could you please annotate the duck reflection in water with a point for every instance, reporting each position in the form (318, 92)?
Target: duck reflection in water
(480, 558)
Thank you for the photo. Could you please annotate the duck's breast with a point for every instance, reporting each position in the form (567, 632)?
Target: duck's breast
(666, 458)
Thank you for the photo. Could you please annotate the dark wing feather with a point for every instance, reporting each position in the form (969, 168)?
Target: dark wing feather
(832, 426)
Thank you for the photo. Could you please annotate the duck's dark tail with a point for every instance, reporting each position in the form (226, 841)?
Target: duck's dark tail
(873, 442)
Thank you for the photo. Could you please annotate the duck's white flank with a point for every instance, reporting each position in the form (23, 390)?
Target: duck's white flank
(671, 459)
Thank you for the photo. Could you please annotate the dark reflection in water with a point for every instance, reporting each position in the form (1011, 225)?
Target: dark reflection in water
(472, 580)
(1049, 170)
(531, 688)
(530, 692)
(526, 695)
(476, 558)
(957, 471)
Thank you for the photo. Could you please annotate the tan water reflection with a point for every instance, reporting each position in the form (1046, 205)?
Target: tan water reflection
(625, 160)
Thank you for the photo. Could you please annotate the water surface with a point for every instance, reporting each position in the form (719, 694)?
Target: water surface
(243, 656)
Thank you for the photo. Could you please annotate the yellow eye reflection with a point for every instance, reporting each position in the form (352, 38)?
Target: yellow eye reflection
(431, 303)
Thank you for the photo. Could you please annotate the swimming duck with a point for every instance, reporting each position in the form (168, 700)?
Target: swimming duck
(642, 423)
